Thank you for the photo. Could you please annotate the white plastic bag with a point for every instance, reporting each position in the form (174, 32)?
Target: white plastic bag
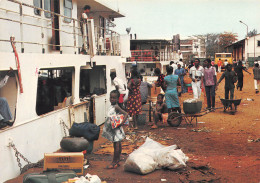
(140, 163)
(171, 158)
(89, 179)
(153, 155)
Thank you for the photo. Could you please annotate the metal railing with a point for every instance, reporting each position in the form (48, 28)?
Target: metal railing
(109, 45)
(149, 56)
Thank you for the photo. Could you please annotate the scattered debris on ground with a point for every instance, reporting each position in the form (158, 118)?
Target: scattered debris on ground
(204, 129)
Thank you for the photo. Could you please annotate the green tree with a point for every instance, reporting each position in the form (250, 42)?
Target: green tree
(252, 33)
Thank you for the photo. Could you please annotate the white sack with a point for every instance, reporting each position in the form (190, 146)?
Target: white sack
(153, 155)
(171, 158)
(89, 179)
(140, 163)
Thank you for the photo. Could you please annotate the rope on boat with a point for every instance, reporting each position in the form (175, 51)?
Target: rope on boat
(17, 64)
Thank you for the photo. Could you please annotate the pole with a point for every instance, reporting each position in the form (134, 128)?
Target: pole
(254, 49)
(246, 39)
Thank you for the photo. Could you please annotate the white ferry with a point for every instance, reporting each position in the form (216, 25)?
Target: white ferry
(54, 74)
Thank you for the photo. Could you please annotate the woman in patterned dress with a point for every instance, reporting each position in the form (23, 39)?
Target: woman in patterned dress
(160, 80)
(134, 104)
(171, 93)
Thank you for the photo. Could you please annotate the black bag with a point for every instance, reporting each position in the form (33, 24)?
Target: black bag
(49, 176)
(74, 144)
(87, 130)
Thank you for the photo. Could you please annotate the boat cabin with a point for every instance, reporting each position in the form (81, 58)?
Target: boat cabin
(149, 54)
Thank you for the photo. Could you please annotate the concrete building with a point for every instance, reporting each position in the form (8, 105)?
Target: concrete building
(247, 49)
(193, 47)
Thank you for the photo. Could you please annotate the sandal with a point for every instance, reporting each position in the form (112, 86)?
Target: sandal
(113, 166)
(154, 127)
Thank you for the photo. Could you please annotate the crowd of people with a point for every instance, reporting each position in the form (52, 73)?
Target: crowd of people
(203, 77)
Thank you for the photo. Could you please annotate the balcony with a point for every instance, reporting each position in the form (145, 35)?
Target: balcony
(36, 33)
(148, 56)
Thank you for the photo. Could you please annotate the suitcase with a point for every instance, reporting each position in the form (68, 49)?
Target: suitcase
(49, 176)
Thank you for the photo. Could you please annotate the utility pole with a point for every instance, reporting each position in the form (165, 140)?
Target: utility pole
(246, 39)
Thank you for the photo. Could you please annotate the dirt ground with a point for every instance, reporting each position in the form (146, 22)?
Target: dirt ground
(222, 148)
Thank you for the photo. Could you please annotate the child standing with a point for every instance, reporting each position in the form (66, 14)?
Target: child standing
(115, 135)
(160, 108)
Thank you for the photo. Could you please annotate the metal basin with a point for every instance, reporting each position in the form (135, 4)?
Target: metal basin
(192, 108)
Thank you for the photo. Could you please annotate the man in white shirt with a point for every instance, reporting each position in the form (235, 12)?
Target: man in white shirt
(120, 87)
(84, 28)
(174, 66)
(5, 113)
(196, 74)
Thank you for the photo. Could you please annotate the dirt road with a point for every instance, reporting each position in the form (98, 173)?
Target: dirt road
(222, 148)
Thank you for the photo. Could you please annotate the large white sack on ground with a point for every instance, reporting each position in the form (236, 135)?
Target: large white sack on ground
(171, 158)
(141, 160)
(140, 163)
(153, 155)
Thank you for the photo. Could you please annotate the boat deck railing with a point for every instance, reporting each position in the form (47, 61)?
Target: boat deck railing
(106, 42)
(149, 56)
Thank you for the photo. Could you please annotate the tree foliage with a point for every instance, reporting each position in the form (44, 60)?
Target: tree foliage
(227, 38)
(252, 33)
(211, 44)
(216, 42)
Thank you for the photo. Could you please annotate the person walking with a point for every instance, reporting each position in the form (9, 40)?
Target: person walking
(181, 73)
(174, 66)
(134, 104)
(239, 70)
(120, 86)
(219, 65)
(171, 93)
(230, 80)
(209, 80)
(196, 74)
(256, 72)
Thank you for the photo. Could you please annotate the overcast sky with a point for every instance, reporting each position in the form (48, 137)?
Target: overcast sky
(164, 18)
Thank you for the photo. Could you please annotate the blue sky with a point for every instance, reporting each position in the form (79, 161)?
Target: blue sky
(163, 18)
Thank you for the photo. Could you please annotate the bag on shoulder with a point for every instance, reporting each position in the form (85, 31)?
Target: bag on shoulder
(87, 130)
(49, 176)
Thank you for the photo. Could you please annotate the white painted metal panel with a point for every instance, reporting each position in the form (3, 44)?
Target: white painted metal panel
(100, 109)
(32, 139)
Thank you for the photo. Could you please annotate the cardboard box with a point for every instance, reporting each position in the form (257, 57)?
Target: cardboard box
(64, 161)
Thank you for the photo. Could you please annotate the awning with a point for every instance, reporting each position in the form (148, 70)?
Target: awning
(98, 7)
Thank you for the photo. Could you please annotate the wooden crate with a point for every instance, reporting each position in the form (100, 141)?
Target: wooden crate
(64, 161)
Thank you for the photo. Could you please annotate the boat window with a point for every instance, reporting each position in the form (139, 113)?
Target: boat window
(38, 4)
(54, 89)
(8, 93)
(67, 10)
(47, 6)
(93, 81)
